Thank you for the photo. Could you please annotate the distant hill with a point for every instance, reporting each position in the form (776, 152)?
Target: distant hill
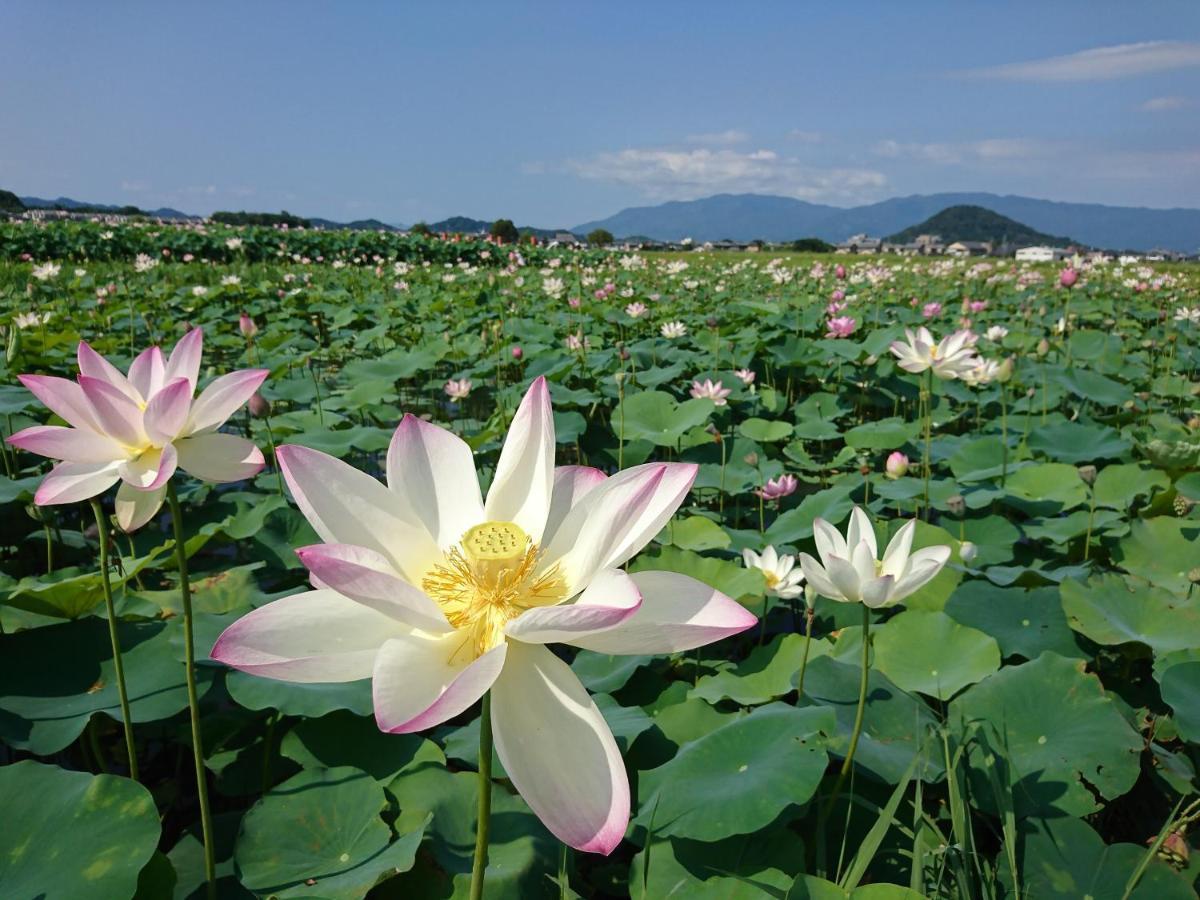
(976, 223)
(10, 202)
(356, 225)
(773, 218)
(67, 203)
(467, 225)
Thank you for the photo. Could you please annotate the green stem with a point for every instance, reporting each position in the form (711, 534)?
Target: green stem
(809, 615)
(118, 662)
(1003, 434)
(185, 593)
(479, 866)
(1087, 540)
(928, 461)
(858, 715)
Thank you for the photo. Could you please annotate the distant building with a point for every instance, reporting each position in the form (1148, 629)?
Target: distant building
(1040, 254)
(861, 243)
(969, 248)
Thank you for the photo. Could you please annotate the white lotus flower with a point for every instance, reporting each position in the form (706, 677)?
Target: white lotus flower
(784, 580)
(850, 571)
(950, 357)
(439, 597)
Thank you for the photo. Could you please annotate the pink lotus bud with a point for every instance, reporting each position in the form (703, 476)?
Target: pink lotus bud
(1067, 277)
(896, 465)
(839, 271)
(517, 352)
(837, 296)
(259, 406)
(166, 252)
(247, 327)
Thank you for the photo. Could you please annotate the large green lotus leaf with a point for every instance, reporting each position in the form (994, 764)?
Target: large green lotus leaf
(1065, 859)
(1063, 529)
(1180, 686)
(1066, 743)
(1024, 623)
(344, 739)
(895, 724)
(683, 719)
(603, 673)
(931, 653)
(1109, 612)
(71, 835)
(884, 434)
(1189, 486)
(979, 460)
(810, 887)
(695, 533)
(1074, 442)
(71, 593)
(745, 867)
(1118, 486)
(658, 417)
(832, 504)
(291, 699)
(739, 778)
(764, 430)
(1162, 550)
(994, 538)
(54, 679)
(521, 853)
(1052, 486)
(321, 829)
(767, 674)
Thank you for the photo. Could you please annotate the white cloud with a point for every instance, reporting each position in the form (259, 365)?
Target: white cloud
(688, 174)
(1164, 104)
(726, 138)
(967, 152)
(1100, 63)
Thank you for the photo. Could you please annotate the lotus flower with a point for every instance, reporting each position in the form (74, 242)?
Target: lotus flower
(138, 428)
(841, 327)
(896, 465)
(850, 572)
(457, 389)
(708, 389)
(439, 596)
(746, 376)
(951, 357)
(778, 488)
(783, 579)
(673, 329)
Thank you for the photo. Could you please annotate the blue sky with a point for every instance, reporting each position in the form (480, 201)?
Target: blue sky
(557, 113)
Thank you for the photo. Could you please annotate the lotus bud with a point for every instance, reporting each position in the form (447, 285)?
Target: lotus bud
(619, 377)
(1043, 347)
(259, 406)
(517, 352)
(896, 465)
(1088, 474)
(956, 504)
(12, 351)
(1005, 370)
(967, 551)
(750, 459)
(810, 596)
(1068, 277)
(247, 326)
(1174, 849)
(839, 271)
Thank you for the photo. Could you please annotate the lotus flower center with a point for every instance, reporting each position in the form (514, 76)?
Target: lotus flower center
(492, 576)
(771, 578)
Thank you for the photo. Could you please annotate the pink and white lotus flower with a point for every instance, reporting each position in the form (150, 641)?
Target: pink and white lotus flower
(439, 596)
(951, 357)
(138, 428)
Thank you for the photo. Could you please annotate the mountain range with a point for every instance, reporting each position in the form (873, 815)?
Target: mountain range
(772, 218)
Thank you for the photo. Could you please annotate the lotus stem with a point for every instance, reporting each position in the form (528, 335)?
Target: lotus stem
(185, 593)
(118, 662)
(927, 394)
(858, 715)
(809, 615)
(479, 866)
(1003, 433)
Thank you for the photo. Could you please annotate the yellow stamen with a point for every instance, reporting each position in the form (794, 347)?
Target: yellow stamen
(490, 578)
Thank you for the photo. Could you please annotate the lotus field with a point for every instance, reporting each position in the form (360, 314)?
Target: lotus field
(341, 564)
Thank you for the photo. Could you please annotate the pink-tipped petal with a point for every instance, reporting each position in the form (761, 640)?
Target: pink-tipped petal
(167, 411)
(346, 506)
(309, 638)
(617, 519)
(219, 457)
(222, 398)
(93, 365)
(609, 600)
(147, 371)
(558, 750)
(184, 361)
(118, 416)
(71, 482)
(69, 444)
(677, 613)
(421, 680)
(63, 398)
(524, 480)
(571, 485)
(151, 470)
(433, 472)
(135, 508)
(368, 577)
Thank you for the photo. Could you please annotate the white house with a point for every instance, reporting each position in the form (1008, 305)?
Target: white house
(1039, 254)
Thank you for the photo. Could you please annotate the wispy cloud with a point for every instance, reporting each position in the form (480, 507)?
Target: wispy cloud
(727, 138)
(662, 174)
(965, 152)
(1165, 104)
(1100, 63)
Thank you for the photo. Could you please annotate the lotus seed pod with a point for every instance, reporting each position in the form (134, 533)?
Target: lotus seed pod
(956, 504)
(1088, 474)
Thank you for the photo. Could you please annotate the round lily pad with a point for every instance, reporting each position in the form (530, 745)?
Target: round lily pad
(931, 653)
